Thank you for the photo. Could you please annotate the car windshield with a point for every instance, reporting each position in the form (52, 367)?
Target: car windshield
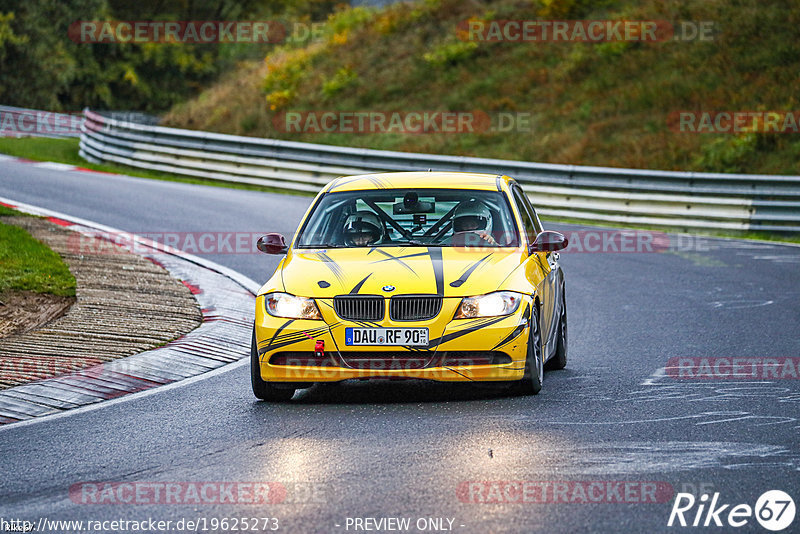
(395, 217)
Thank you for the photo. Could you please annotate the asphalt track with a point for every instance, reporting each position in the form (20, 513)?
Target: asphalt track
(403, 449)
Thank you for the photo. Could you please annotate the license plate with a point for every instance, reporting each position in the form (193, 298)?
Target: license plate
(416, 337)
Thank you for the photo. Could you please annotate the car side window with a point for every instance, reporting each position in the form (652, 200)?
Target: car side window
(536, 223)
(530, 228)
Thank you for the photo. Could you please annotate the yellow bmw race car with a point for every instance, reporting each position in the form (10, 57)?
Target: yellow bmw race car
(425, 275)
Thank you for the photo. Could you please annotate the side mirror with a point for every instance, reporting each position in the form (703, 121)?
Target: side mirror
(549, 241)
(273, 243)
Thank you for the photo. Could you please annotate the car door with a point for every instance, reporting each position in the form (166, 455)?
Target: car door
(548, 289)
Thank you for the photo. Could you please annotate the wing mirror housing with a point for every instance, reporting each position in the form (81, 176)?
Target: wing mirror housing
(549, 241)
(273, 243)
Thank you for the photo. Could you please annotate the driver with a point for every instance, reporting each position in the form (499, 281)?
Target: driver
(362, 228)
(473, 216)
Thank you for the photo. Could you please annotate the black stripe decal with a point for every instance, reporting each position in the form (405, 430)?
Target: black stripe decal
(358, 286)
(389, 257)
(404, 256)
(276, 346)
(460, 281)
(377, 182)
(291, 339)
(459, 373)
(277, 333)
(332, 265)
(464, 331)
(292, 335)
(513, 335)
(518, 330)
(438, 268)
(341, 181)
(303, 334)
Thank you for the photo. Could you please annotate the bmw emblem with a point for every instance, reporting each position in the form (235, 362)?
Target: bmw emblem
(388, 288)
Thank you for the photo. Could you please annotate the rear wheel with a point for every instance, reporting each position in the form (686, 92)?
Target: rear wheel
(531, 382)
(559, 359)
(262, 389)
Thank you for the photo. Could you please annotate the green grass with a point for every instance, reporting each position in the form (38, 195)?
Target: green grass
(28, 265)
(43, 149)
(66, 151)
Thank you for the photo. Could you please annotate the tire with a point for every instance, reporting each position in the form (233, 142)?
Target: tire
(559, 359)
(262, 389)
(531, 383)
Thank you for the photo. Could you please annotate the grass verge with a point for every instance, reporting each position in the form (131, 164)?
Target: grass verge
(29, 265)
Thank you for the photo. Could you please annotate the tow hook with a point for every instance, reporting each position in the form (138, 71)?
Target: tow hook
(319, 348)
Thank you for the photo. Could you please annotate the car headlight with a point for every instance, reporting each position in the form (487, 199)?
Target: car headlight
(489, 305)
(290, 307)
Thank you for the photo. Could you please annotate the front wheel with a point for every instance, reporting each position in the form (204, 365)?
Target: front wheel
(261, 388)
(531, 382)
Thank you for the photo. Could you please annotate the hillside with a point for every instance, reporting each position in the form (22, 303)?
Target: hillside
(607, 103)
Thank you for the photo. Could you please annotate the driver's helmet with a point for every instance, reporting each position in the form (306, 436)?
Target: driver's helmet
(362, 228)
(472, 216)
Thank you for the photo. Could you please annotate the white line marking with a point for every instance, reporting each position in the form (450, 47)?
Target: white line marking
(54, 166)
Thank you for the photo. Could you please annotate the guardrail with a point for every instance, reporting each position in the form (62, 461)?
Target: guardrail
(681, 200)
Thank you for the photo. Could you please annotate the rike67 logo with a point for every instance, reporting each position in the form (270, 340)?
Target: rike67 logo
(774, 510)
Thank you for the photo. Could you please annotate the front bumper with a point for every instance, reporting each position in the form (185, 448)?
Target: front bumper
(458, 351)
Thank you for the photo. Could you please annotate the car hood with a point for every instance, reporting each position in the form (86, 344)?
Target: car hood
(448, 271)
